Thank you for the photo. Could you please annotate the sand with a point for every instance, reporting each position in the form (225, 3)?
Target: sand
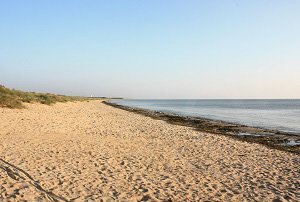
(88, 151)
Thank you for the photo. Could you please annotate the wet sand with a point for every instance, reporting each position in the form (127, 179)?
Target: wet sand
(91, 151)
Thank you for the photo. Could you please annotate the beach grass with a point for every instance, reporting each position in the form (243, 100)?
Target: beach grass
(12, 98)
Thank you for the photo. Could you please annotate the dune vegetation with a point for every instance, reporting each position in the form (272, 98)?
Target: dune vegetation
(12, 98)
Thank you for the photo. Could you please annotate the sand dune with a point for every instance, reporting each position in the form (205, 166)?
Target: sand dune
(88, 151)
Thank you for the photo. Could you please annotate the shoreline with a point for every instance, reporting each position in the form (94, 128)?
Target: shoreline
(271, 138)
(90, 151)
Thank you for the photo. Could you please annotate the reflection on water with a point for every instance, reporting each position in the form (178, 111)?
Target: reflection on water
(282, 115)
(292, 143)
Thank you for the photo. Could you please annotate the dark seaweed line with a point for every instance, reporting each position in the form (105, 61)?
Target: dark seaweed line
(12, 172)
(221, 128)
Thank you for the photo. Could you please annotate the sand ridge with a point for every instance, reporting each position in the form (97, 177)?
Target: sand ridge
(90, 151)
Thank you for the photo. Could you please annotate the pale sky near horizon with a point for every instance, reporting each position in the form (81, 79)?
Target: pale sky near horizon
(152, 49)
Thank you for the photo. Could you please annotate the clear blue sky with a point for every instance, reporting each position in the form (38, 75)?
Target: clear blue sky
(152, 48)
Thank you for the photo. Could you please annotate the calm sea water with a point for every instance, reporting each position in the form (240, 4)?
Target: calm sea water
(283, 115)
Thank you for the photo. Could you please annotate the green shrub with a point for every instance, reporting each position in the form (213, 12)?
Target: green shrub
(14, 98)
(9, 101)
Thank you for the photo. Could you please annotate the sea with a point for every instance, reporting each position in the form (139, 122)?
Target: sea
(275, 114)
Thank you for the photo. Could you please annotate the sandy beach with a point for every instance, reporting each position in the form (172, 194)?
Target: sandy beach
(89, 151)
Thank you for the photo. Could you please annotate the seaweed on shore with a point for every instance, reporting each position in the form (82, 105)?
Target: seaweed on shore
(270, 138)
